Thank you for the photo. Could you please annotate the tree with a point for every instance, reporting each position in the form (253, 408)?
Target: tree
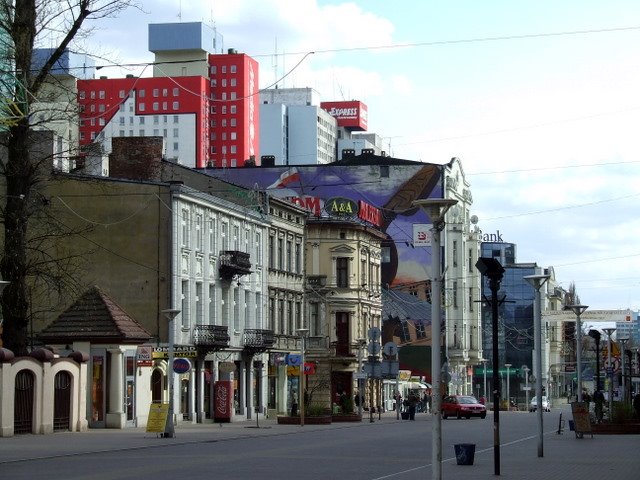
(25, 25)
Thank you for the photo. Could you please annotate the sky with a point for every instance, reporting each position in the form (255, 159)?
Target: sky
(539, 100)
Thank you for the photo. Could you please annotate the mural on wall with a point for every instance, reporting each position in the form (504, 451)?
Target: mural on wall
(379, 195)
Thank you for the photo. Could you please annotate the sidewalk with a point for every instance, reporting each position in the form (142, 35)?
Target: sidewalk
(566, 457)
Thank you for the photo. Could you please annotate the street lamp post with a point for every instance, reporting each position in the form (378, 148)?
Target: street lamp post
(508, 365)
(361, 344)
(169, 428)
(436, 209)
(301, 383)
(491, 268)
(609, 331)
(578, 310)
(537, 281)
(595, 334)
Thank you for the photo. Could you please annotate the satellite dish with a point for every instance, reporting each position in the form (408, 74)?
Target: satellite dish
(474, 219)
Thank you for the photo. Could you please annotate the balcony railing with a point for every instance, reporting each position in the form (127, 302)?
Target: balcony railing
(233, 262)
(258, 340)
(210, 338)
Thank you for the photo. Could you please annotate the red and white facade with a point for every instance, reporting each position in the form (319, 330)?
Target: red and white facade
(204, 121)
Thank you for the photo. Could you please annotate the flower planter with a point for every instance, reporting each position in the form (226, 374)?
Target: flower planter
(616, 428)
(346, 417)
(311, 420)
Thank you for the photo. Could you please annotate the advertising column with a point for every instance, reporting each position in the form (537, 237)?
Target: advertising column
(223, 400)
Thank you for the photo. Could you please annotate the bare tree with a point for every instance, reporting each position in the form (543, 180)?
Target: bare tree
(25, 25)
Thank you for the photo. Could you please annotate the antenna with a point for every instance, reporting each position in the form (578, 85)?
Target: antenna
(275, 63)
(180, 11)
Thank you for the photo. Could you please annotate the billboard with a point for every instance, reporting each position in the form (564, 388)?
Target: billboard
(351, 115)
(378, 195)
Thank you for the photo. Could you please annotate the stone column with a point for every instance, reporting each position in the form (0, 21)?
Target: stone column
(116, 417)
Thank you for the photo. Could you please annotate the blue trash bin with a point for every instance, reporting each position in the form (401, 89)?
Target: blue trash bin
(465, 453)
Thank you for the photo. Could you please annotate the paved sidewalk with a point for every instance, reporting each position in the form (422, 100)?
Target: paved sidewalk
(565, 457)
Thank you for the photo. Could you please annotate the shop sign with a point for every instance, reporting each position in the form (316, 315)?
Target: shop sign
(185, 351)
(341, 207)
(226, 367)
(144, 355)
(181, 365)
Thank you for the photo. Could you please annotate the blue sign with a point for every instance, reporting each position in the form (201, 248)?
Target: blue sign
(181, 365)
(294, 360)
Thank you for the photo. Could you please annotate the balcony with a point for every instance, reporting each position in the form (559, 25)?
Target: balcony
(210, 338)
(316, 281)
(257, 340)
(233, 262)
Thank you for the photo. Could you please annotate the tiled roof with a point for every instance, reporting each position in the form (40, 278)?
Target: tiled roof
(95, 318)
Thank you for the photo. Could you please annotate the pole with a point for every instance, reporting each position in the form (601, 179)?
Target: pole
(537, 327)
(494, 285)
(484, 360)
(436, 399)
(301, 382)
(609, 332)
(526, 387)
(169, 428)
(360, 397)
(579, 354)
(508, 365)
(397, 396)
(623, 342)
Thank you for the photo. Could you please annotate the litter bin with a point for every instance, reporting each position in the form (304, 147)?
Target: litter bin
(465, 453)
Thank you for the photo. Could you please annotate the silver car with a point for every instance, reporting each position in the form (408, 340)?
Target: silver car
(546, 404)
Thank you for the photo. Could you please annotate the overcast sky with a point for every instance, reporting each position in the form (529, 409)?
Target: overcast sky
(539, 100)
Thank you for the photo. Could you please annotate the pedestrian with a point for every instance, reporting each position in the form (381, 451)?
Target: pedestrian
(598, 400)
(413, 402)
(636, 404)
(586, 398)
(294, 404)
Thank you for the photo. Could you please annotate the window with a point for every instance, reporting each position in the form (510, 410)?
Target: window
(280, 254)
(121, 94)
(236, 237)
(176, 147)
(454, 252)
(314, 320)
(281, 326)
(212, 235)
(185, 227)
(176, 92)
(213, 69)
(101, 122)
(247, 311)
(175, 105)
(272, 253)
(233, 109)
(101, 95)
(233, 82)
(234, 69)
(199, 304)
(290, 326)
(176, 132)
(224, 235)
(101, 107)
(199, 233)
(342, 272)
(141, 120)
(236, 309)
(141, 133)
(141, 94)
(298, 315)
(289, 256)
(298, 258)
(233, 136)
(471, 299)
(164, 105)
(212, 305)
(233, 122)
(184, 301)
(224, 69)
(156, 92)
(258, 245)
(225, 306)
(165, 92)
(81, 94)
(176, 119)
(272, 314)
(455, 294)
(156, 106)
(233, 149)
(258, 322)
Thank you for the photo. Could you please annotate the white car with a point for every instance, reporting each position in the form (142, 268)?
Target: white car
(546, 404)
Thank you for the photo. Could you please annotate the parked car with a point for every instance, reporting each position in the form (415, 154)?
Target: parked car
(546, 405)
(462, 406)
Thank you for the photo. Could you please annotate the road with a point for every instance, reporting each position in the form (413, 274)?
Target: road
(386, 449)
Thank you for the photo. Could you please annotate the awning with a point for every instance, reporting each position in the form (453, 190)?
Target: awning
(419, 385)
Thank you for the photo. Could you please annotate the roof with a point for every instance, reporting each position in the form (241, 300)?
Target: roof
(95, 318)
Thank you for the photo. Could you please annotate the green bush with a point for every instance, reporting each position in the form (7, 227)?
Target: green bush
(315, 410)
(622, 413)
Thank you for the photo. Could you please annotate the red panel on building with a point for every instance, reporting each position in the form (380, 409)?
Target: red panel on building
(351, 115)
(223, 392)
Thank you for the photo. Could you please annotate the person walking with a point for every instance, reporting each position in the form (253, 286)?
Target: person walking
(598, 400)
(294, 404)
(413, 402)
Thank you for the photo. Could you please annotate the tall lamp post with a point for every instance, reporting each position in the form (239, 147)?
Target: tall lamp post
(537, 281)
(361, 344)
(578, 310)
(169, 428)
(493, 270)
(595, 334)
(436, 209)
(609, 331)
(301, 383)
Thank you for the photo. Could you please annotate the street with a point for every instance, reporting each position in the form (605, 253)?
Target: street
(385, 449)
